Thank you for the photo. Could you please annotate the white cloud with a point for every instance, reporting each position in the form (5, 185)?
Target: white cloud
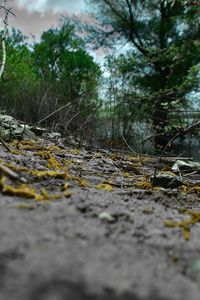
(37, 5)
(53, 5)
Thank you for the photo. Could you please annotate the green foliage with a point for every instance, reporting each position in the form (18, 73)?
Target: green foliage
(63, 63)
(19, 81)
(42, 77)
(60, 55)
(162, 62)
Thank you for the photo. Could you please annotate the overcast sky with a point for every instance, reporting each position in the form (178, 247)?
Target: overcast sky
(54, 5)
(35, 16)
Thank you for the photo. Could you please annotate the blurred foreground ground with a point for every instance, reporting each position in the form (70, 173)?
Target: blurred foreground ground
(88, 225)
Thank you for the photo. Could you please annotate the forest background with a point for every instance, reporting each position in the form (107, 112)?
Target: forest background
(143, 92)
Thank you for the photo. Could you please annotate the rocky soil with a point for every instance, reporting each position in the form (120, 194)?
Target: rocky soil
(78, 224)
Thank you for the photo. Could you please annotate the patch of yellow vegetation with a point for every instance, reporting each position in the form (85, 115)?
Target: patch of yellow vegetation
(105, 187)
(43, 154)
(128, 175)
(35, 145)
(75, 151)
(27, 145)
(186, 224)
(144, 185)
(65, 186)
(135, 159)
(53, 148)
(54, 163)
(50, 173)
(17, 152)
(62, 174)
(16, 167)
(44, 195)
(65, 189)
(195, 189)
(81, 182)
(25, 191)
(22, 191)
(184, 189)
(187, 190)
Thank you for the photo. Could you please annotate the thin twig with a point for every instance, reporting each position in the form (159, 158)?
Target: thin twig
(54, 112)
(5, 144)
(179, 172)
(162, 154)
(89, 117)
(129, 147)
(189, 128)
(21, 136)
(11, 173)
(43, 98)
(192, 173)
(73, 117)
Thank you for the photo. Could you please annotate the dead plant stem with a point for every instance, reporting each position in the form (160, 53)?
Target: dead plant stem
(54, 112)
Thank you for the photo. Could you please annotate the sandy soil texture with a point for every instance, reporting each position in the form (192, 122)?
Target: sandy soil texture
(89, 225)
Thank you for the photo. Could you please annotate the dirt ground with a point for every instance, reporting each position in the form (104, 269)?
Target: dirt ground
(88, 225)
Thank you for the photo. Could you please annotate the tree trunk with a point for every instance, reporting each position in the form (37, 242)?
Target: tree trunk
(160, 122)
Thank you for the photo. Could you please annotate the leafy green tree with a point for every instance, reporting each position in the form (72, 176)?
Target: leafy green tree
(19, 84)
(40, 78)
(68, 69)
(162, 63)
